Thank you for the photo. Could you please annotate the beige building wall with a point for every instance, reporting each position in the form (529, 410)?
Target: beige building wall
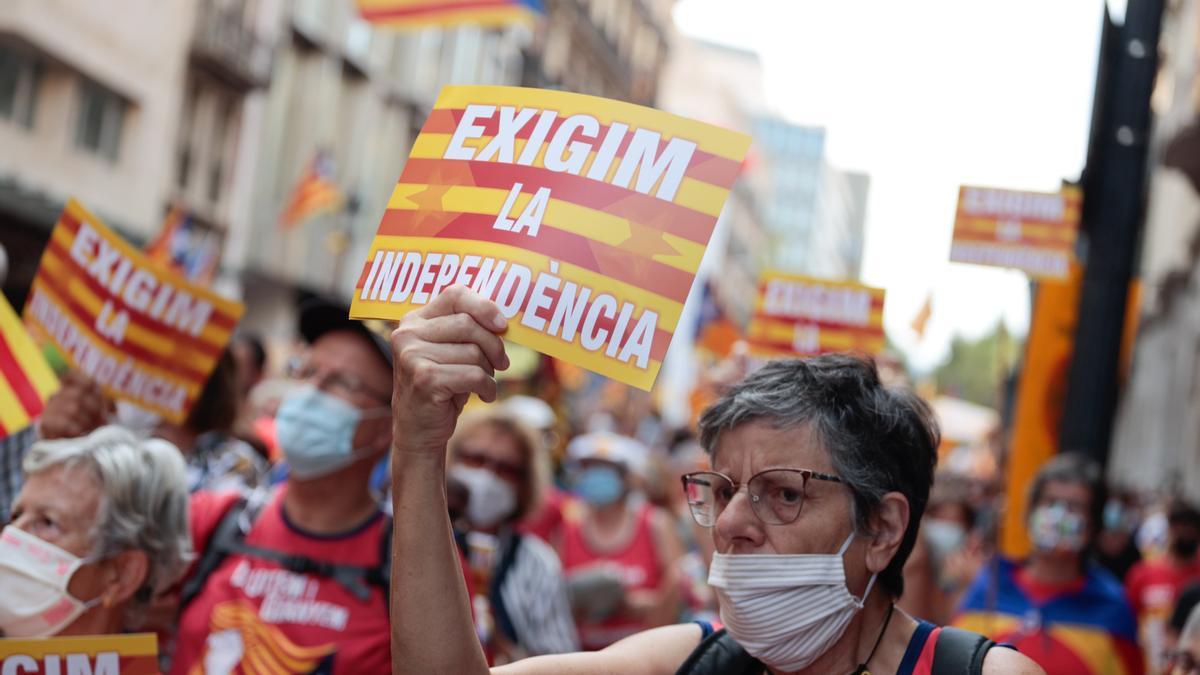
(1156, 440)
(721, 86)
(360, 94)
(135, 48)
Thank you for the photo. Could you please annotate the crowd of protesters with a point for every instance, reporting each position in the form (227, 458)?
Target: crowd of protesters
(287, 525)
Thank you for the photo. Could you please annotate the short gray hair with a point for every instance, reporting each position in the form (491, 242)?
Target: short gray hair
(879, 440)
(144, 505)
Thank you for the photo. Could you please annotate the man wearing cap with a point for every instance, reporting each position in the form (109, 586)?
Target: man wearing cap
(619, 552)
(296, 580)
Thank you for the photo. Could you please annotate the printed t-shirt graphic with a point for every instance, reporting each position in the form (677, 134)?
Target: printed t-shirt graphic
(253, 616)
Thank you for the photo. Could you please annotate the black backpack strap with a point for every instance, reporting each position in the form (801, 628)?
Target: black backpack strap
(353, 578)
(228, 530)
(720, 654)
(380, 576)
(507, 557)
(230, 537)
(959, 652)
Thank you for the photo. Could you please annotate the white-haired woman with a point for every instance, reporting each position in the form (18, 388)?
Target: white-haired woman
(98, 529)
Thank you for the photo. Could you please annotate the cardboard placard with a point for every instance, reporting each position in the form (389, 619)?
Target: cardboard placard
(143, 332)
(135, 654)
(796, 315)
(583, 218)
(1030, 231)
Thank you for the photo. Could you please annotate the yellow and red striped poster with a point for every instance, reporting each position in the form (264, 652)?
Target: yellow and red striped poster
(143, 332)
(796, 315)
(26, 380)
(1030, 231)
(583, 218)
(401, 14)
(135, 654)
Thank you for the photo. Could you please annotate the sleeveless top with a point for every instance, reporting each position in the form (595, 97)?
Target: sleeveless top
(718, 652)
(637, 565)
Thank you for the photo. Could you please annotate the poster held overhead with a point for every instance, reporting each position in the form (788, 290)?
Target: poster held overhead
(583, 218)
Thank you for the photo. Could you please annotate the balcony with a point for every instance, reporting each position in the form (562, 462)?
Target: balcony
(225, 44)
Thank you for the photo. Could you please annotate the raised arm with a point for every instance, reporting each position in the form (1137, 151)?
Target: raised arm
(443, 353)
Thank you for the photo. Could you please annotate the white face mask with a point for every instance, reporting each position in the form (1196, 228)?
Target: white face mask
(492, 499)
(34, 575)
(785, 610)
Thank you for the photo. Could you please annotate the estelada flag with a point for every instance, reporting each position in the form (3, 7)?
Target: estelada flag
(584, 218)
(26, 380)
(715, 333)
(183, 247)
(796, 315)
(315, 193)
(921, 320)
(402, 14)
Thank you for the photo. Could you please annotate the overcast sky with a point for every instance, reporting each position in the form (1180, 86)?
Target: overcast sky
(924, 96)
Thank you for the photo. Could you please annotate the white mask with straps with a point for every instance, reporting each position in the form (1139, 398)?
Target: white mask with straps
(34, 576)
(785, 610)
(491, 499)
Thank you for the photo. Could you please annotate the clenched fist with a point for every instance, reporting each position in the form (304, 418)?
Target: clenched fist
(443, 353)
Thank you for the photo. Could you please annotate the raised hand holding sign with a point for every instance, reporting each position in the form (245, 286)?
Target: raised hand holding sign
(444, 352)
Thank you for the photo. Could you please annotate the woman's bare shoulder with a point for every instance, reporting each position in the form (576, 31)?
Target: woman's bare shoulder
(1004, 661)
(659, 651)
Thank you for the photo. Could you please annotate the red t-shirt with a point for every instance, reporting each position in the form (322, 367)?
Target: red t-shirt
(637, 563)
(253, 616)
(1154, 585)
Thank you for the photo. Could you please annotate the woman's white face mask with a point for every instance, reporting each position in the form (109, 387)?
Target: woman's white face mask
(34, 576)
(785, 610)
(491, 500)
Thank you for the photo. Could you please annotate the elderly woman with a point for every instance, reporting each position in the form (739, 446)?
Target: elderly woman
(522, 608)
(98, 529)
(819, 479)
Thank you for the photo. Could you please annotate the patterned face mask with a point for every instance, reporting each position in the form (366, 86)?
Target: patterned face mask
(1054, 527)
(34, 575)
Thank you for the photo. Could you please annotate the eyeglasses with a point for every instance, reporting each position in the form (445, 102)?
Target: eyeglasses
(337, 383)
(476, 459)
(776, 495)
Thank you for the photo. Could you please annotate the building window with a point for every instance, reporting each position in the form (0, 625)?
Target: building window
(19, 77)
(101, 116)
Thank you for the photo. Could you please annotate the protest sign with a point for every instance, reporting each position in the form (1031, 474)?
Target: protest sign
(142, 331)
(1031, 231)
(583, 218)
(135, 654)
(26, 380)
(801, 316)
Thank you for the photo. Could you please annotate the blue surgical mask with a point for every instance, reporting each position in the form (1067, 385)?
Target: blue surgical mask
(599, 485)
(315, 430)
(1119, 518)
